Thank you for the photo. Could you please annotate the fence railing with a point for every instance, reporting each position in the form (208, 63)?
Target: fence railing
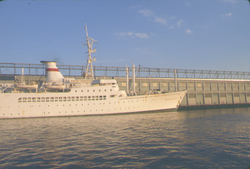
(111, 71)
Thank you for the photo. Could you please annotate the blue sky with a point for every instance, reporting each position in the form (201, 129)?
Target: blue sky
(179, 34)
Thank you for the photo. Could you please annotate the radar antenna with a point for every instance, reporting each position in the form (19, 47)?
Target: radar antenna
(89, 68)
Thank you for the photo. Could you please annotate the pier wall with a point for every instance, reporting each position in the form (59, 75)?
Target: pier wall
(206, 88)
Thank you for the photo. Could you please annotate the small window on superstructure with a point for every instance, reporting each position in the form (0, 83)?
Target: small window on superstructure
(105, 90)
(81, 98)
(93, 90)
(20, 99)
(111, 90)
(43, 99)
(75, 90)
(100, 97)
(60, 99)
(33, 99)
(64, 98)
(104, 97)
(73, 98)
(89, 98)
(112, 96)
(52, 99)
(69, 98)
(47, 99)
(56, 99)
(97, 97)
(93, 97)
(29, 99)
(38, 99)
(77, 98)
(81, 90)
(100, 90)
(87, 90)
(85, 98)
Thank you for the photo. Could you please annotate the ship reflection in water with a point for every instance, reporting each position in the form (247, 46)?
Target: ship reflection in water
(186, 139)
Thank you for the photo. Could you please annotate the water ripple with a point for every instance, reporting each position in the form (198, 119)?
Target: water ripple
(187, 139)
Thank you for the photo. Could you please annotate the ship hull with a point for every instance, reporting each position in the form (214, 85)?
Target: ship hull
(30, 105)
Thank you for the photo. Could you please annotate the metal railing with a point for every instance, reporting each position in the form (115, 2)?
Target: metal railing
(111, 71)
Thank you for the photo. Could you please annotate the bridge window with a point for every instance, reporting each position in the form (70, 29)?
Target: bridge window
(43, 99)
(20, 99)
(52, 99)
(33, 99)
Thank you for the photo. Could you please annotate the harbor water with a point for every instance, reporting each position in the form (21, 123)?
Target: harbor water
(218, 138)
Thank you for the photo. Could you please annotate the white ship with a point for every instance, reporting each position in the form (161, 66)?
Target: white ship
(68, 97)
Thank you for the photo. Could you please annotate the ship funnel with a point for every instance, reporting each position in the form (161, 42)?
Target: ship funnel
(52, 73)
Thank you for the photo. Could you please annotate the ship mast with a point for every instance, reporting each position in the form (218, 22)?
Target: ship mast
(89, 68)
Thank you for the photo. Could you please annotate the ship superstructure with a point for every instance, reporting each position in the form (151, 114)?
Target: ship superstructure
(58, 96)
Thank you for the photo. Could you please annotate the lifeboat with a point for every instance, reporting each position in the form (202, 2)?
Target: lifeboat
(25, 86)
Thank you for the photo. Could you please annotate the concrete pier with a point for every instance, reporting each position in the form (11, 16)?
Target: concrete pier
(206, 89)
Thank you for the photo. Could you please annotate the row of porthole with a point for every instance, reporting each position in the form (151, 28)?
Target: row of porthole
(95, 90)
(11, 114)
(90, 110)
(78, 111)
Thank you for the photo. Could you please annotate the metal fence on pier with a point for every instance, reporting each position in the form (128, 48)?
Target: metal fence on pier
(111, 71)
